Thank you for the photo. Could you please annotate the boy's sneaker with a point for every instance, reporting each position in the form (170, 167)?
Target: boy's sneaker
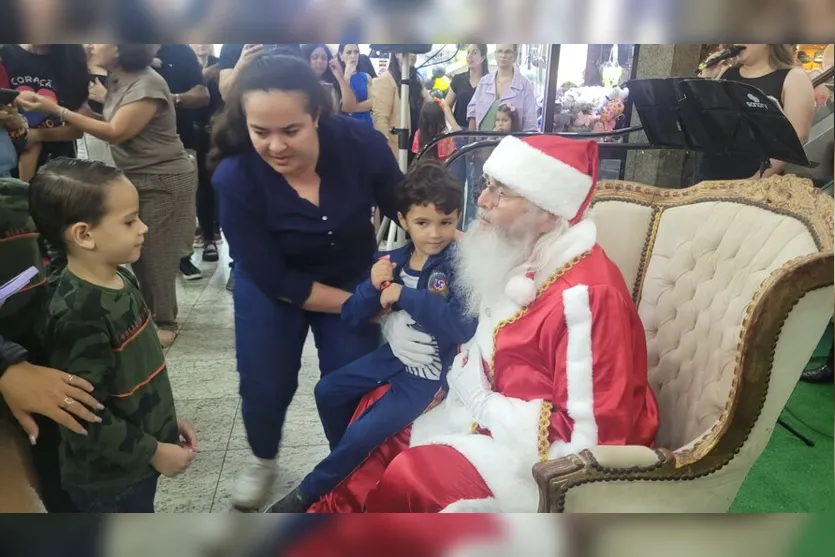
(254, 484)
(292, 503)
(210, 253)
(189, 270)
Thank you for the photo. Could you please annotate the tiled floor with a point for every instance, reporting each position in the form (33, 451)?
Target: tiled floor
(201, 366)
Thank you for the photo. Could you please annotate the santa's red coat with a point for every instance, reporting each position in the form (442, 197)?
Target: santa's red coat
(571, 369)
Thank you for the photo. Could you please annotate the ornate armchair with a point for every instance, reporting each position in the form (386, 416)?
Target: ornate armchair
(734, 284)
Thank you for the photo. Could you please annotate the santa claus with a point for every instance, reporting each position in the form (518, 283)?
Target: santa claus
(558, 363)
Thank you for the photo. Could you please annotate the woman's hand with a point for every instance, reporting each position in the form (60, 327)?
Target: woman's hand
(33, 102)
(29, 389)
(248, 54)
(336, 68)
(412, 347)
(97, 91)
(714, 71)
(350, 70)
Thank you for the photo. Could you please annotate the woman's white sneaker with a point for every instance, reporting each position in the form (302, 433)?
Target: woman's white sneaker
(252, 488)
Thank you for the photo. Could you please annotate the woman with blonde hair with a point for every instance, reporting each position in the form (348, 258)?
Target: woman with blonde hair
(774, 69)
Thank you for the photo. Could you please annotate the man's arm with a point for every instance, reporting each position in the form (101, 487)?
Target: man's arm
(197, 95)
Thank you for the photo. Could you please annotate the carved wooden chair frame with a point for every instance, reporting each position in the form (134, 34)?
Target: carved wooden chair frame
(762, 324)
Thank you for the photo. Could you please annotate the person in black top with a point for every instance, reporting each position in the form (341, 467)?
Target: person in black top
(463, 85)
(774, 69)
(56, 71)
(179, 66)
(206, 204)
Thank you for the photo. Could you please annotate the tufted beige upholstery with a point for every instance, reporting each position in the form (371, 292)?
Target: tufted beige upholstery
(733, 283)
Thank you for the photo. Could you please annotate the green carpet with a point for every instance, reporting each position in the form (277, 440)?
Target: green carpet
(790, 477)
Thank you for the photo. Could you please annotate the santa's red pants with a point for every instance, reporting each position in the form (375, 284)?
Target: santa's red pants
(396, 478)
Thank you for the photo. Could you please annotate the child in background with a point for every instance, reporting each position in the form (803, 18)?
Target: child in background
(417, 279)
(436, 119)
(13, 128)
(507, 120)
(100, 329)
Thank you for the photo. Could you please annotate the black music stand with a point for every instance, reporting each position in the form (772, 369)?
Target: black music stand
(715, 117)
(718, 117)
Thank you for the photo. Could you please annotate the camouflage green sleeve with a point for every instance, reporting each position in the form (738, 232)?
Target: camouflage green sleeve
(85, 350)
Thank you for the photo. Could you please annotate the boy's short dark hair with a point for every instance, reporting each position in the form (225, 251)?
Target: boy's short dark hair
(429, 183)
(67, 191)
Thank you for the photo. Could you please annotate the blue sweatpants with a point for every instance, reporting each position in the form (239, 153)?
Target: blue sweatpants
(269, 337)
(407, 398)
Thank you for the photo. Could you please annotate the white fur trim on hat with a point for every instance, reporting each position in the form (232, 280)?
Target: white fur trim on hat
(545, 181)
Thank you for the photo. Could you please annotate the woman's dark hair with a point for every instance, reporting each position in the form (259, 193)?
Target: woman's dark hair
(482, 49)
(340, 51)
(366, 66)
(415, 85)
(67, 191)
(68, 63)
(268, 72)
(513, 113)
(431, 124)
(135, 57)
(429, 182)
(328, 76)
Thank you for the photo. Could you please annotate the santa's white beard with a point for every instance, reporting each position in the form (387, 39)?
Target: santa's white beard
(486, 257)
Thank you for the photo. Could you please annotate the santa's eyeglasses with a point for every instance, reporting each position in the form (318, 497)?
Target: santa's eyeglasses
(497, 190)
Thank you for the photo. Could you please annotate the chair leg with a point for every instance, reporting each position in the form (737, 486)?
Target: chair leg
(806, 441)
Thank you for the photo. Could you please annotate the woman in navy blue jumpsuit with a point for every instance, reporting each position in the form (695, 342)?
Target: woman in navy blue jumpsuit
(296, 189)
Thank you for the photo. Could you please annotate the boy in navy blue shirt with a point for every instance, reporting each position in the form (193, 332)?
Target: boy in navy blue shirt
(417, 279)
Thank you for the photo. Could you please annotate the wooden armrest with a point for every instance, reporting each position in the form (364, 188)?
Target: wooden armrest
(604, 462)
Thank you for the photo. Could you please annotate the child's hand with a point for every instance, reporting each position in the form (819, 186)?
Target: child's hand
(171, 460)
(381, 315)
(188, 438)
(390, 295)
(382, 271)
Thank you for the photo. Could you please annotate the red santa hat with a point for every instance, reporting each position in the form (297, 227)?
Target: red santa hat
(556, 174)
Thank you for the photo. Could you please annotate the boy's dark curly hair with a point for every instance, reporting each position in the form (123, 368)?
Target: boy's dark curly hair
(429, 183)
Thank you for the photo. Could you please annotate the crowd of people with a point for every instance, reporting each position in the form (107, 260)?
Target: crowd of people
(286, 152)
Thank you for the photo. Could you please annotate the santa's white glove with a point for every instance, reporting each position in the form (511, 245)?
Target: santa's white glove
(469, 382)
(412, 347)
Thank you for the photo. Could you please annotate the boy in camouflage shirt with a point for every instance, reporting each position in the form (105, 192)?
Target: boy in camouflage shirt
(100, 329)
